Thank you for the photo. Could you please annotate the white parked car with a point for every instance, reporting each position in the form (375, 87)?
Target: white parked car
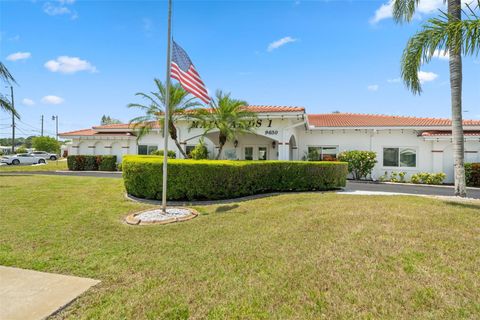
(22, 158)
(45, 155)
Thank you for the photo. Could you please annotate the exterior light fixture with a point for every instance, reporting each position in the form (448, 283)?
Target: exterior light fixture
(274, 144)
(235, 143)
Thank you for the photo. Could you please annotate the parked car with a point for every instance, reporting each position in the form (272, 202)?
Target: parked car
(45, 155)
(22, 158)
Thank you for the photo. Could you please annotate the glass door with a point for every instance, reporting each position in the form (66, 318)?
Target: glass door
(262, 153)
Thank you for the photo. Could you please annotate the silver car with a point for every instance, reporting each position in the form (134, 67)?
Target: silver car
(22, 158)
(45, 155)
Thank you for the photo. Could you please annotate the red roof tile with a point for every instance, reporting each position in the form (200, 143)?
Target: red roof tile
(92, 132)
(373, 120)
(448, 133)
(266, 109)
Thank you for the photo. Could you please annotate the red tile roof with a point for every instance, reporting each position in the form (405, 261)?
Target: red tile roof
(92, 132)
(448, 133)
(373, 120)
(268, 109)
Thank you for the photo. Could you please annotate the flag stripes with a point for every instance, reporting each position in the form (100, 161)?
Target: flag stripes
(183, 70)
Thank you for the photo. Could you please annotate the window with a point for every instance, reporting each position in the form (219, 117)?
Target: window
(248, 153)
(262, 153)
(399, 157)
(145, 149)
(326, 153)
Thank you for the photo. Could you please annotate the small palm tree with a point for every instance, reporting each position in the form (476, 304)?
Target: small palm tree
(451, 34)
(228, 116)
(5, 104)
(179, 102)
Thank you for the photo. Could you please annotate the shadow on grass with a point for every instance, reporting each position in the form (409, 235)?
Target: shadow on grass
(226, 208)
(464, 205)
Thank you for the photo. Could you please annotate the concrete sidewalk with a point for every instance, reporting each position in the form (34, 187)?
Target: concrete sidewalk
(28, 294)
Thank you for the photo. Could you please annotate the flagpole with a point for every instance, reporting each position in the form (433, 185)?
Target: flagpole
(167, 111)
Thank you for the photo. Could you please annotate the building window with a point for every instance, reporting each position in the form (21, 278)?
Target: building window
(323, 153)
(248, 153)
(262, 153)
(146, 149)
(399, 157)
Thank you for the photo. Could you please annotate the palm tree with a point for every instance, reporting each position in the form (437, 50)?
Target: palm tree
(180, 101)
(452, 35)
(228, 116)
(5, 104)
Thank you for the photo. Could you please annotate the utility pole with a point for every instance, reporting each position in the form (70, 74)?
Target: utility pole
(13, 120)
(56, 125)
(42, 127)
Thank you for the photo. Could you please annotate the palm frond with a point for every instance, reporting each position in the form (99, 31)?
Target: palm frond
(404, 10)
(5, 75)
(5, 105)
(445, 33)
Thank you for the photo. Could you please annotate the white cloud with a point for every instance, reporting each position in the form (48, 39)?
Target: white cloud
(52, 100)
(425, 76)
(281, 42)
(65, 64)
(395, 80)
(441, 54)
(373, 87)
(28, 102)
(384, 12)
(60, 7)
(424, 7)
(19, 56)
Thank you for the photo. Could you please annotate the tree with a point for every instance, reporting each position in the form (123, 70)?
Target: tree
(47, 144)
(454, 36)
(108, 120)
(6, 104)
(180, 101)
(228, 116)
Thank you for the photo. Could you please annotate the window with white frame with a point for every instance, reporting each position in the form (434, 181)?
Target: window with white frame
(323, 153)
(146, 149)
(399, 157)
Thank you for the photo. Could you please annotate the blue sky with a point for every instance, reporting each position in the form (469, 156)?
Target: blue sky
(82, 59)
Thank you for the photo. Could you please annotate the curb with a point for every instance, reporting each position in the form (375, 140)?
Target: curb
(409, 184)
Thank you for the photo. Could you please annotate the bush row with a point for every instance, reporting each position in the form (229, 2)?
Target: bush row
(92, 163)
(472, 174)
(211, 180)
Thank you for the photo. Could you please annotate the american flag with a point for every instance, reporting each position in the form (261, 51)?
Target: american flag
(184, 71)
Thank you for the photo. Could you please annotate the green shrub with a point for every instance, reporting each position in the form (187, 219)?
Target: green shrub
(200, 151)
(170, 154)
(472, 174)
(428, 178)
(91, 163)
(360, 163)
(108, 163)
(213, 179)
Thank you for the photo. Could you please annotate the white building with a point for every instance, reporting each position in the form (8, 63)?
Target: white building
(406, 144)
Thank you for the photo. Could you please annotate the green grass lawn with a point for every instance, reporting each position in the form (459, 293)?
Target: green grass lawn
(50, 166)
(300, 256)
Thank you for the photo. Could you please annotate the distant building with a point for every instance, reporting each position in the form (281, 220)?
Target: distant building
(407, 144)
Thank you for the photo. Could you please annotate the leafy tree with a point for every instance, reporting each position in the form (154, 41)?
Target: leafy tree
(21, 150)
(6, 104)
(47, 144)
(360, 163)
(454, 36)
(108, 120)
(180, 101)
(228, 116)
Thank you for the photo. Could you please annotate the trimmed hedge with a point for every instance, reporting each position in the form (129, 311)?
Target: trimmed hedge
(215, 179)
(472, 174)
(92, 163)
